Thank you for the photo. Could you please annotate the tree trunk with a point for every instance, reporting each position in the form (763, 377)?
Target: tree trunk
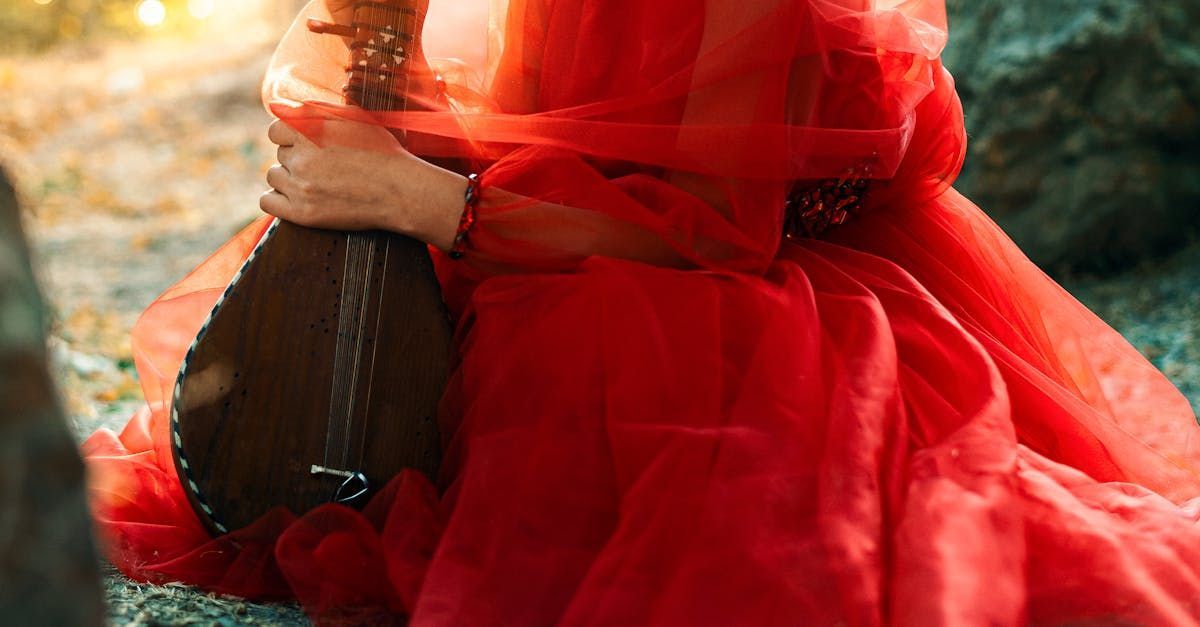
(48, 565)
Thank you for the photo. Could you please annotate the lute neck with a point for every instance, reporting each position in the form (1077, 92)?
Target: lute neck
(386, 63)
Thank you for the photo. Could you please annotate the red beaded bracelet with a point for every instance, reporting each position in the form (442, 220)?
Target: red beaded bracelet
(470, 202)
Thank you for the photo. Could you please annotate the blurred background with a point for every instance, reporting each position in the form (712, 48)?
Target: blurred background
(135, 135)
(136, 138)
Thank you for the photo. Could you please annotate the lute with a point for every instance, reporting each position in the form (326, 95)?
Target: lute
(317, 376)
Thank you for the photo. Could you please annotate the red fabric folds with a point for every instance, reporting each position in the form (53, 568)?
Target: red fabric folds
(663, 412)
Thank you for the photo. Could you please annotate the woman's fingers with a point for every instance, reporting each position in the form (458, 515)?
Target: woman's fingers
(279, 178)
(274, 203)
(281, 134)
(284, 155)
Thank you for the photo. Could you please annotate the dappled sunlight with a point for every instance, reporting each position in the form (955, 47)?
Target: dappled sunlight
(137, 139)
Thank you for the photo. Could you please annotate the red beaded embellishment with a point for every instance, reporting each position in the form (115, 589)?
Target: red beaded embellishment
(470, 202)
(812, 210)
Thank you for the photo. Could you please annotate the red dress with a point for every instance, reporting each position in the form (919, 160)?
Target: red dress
(665, 412)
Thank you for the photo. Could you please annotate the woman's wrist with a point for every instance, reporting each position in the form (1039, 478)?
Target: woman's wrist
(437, 211)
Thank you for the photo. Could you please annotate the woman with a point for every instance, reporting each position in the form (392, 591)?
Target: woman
(731, 349)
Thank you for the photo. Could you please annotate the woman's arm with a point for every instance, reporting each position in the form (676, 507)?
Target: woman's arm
(361, 178)
(543, 210)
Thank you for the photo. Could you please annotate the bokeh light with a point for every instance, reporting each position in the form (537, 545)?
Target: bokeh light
(151, 12)
(70, 27)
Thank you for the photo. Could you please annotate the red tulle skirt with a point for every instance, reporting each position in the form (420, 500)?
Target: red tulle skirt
(905, 423)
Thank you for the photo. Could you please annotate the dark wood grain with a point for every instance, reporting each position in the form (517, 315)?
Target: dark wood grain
(255, 403)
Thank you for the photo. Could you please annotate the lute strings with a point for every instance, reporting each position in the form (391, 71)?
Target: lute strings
(377, 92)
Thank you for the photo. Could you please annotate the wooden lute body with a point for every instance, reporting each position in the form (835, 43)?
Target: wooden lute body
(317, 376)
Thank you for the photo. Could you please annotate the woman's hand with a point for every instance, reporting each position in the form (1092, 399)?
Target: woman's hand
(361, 178)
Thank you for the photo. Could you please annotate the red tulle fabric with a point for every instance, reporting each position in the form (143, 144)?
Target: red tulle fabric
(663, 412)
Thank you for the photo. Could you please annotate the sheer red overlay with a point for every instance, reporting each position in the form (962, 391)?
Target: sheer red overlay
(663, 412)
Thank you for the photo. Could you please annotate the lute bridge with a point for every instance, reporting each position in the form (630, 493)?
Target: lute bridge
(354, 485)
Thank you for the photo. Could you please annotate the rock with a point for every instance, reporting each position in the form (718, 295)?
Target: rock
(1084, 124)
(49, 573)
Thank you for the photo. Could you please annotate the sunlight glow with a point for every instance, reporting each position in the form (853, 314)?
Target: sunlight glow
(151, 12)
(201, 9)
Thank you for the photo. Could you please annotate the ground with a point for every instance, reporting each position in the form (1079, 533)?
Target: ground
(1157, 308)
(137, 160)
